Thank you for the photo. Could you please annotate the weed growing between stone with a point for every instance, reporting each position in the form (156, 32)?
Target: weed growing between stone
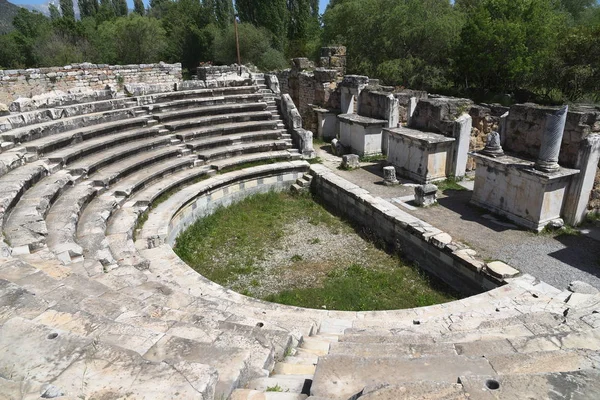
(289, 249)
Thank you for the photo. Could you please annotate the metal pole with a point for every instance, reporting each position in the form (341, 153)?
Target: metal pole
(237, 44)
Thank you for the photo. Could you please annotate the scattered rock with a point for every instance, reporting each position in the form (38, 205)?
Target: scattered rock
(582, 287)
(555, 224)
(426, 195)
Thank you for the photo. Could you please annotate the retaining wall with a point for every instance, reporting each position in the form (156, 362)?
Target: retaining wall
(417, 241)
(34, 81)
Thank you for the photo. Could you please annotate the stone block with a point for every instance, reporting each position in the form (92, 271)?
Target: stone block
(389, 176)
(350, 161)
(501, 270)
(426, 195)
(361, 134)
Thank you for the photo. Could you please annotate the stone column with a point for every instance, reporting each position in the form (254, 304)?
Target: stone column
(492, 145)
(502, 125)
(410, 109)
(551, 140)
(578, 192)
(462, 134)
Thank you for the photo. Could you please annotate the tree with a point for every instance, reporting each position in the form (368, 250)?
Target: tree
(138, 7)
(158, 8)
(505, 44)
(120, 7)
(270, 14)
(224, 12)
(54, 12)
(66, 7)
(131, 40)
(88, 8)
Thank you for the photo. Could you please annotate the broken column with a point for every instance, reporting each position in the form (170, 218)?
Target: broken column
(492, 146)
(426, 195)
(350, 88)
(350, 161)
(462, 134)
(551, 141)
(389, 176)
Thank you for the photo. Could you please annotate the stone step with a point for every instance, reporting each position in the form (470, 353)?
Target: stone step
(533, 386)
(244, 148)
(159, 98)
(340, 375)
(36, 131)
(109, 175)
(298, 359)
(220, 119)
(249, 394)
(418, 390)
(136, 181)
(303, 182)
(57, 141)
(284, 368)
(74, 153)
(192, 102)
(104, 156)
(399, 349)
(228, 129)
(88, 367)
(210, 110)
(62, 219)
(282, 383)
(25, 225)
(228, 140)
(149, 194)
(12, 159)
(231, 162)
(295, 188)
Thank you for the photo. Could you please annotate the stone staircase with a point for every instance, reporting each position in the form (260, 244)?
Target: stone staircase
(93, 304)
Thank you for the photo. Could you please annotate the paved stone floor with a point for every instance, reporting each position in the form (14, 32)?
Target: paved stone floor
(557, 260)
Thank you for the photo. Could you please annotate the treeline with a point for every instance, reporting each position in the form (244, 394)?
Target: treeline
(493, 50)
(542, 50)
(186, 31)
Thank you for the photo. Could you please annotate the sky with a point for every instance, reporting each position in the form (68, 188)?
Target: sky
(323, 3)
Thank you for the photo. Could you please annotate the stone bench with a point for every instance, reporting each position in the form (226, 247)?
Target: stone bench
(227, 128)
(421, 156)
(363, 135)
(213, 109)
(212, 120)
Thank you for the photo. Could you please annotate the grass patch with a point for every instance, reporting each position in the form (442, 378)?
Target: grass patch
(233, 247)
(275, 388)
(449, 184)
(248, 165)
(593, 217)
(315, 160)
(375, 158)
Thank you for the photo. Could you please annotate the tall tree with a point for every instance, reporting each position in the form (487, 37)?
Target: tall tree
(120, 7)
(88, 8)
(159, 8)
(138, 7)
(224, 13)
(270, 14)
(54, 12)
(66, 7)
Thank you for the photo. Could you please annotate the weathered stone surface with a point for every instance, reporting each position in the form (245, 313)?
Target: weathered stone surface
(582, 287)
(426, 195)
(350, 161)
(501, 270)
(389, 176)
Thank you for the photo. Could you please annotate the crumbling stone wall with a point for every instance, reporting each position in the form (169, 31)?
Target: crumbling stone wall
(594, 204)
(36, 81)
(404, 97)
(525, 126)
(334, 57)
(486, 118)
(437, 114)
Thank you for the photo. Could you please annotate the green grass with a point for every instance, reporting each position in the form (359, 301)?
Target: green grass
(593, 217)
(357, 288)
(375, 158)
(228, 247)
(275, 388)
(248, 165)
(449, 184)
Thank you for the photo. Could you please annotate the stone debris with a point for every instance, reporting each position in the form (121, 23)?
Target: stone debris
(582, 287)
(350, 161)
(501, 270)
(426, 195)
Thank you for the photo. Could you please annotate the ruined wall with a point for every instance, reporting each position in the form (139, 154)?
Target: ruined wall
(525, 126)
(486, 118)
(404, 97)
(334, 57)
(437, 114)
(35, 81)
(594, 204)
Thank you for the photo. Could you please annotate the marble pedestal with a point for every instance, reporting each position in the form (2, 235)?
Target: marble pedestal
(511, 187)
(419, 156)
(361, 134)
(326, 123)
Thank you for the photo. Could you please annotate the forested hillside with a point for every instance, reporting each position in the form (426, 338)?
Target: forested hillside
(494, 50)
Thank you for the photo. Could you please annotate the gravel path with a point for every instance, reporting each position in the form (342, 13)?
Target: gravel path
(555, 260)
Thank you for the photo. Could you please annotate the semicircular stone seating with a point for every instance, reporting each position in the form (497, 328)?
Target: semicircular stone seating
(91, 306)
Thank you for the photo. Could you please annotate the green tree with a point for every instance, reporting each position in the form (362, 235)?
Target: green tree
(138, 7)
(88, 8)
(505, 44)
(120, 7)
(131, 40)
(54, 12)
(270, 14)
(255, 47)
(224, 13)
(66, 8)
(158, 8)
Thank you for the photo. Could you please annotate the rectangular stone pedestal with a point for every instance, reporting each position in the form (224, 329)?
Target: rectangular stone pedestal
(327, 123)
(420, 156)
(361, 134)
(511, 187)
